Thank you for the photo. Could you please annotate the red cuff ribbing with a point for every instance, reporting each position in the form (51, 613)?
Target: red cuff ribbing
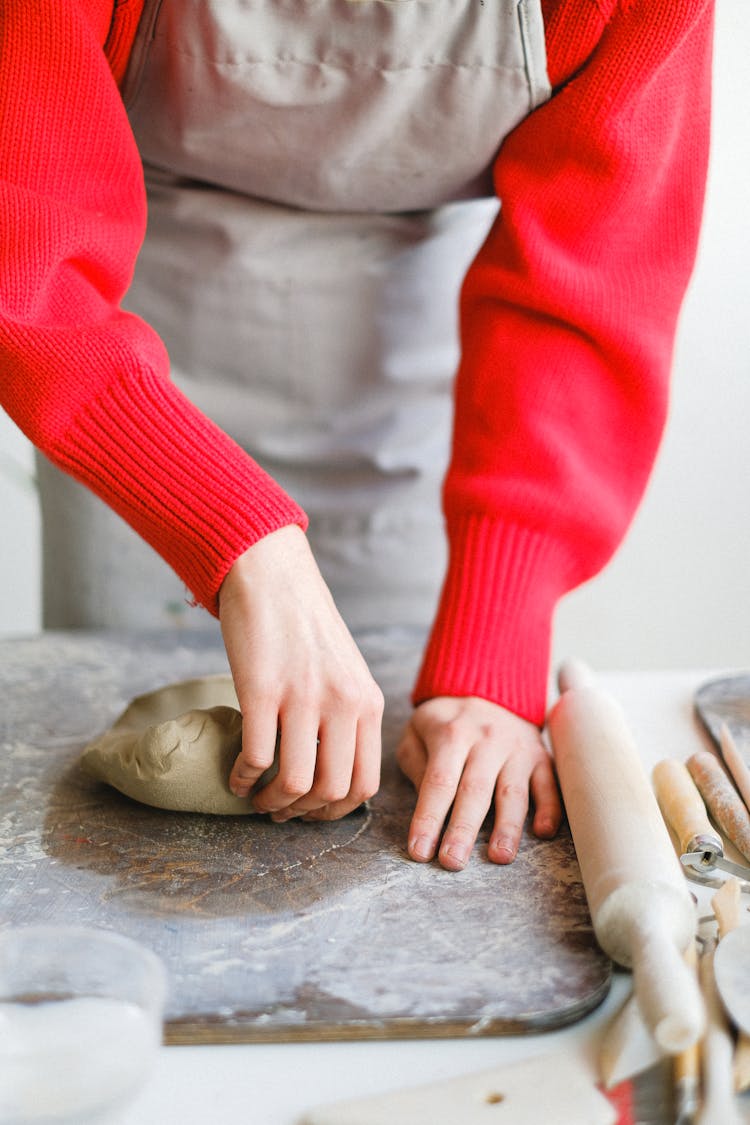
(491, 636)
(176, 478)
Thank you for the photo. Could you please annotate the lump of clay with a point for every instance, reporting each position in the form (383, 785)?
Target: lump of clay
(174, 748)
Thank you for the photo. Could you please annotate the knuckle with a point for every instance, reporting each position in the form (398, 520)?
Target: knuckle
(293, 785)
(476, 786)
(332, 791)
(508, 832)
(375, 701)
(427, 821)
(463, 833)
(451, 734)
(256, 760)
(362, 792)
(512, 790)
(307, 695)
(441, 780)
(348, 692)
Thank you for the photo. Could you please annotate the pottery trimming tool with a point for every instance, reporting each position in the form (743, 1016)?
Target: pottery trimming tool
(700, 846)
(722, 800)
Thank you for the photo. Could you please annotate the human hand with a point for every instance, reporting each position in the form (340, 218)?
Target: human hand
(297, 670)
(465, 752)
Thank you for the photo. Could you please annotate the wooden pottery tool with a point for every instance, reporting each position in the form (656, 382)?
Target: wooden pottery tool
(700, 846)
(723, 707)
(556, 1088)
(735, 762)
(641, 908)
(686, 1066)
(719, 1106)
(728, 910)
(722, 799)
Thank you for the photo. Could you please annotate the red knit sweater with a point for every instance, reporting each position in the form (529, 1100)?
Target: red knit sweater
(567, 316)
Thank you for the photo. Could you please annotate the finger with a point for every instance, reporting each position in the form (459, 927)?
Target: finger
(298, 748)
(365, 778)
(511, 808)
(258, 749)
(412, 756)
(473, 799)
(546, 797)
(333, 768)
(436, 793)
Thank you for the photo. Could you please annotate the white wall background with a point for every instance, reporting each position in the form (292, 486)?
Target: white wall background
(678, 592)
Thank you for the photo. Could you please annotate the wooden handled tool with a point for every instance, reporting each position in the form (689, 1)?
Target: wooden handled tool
(683, 809)
(722, 799)
(641, 909)
(728, 911)
(735, 762)
(701, 847)
(719, 1104)
(686, 1067)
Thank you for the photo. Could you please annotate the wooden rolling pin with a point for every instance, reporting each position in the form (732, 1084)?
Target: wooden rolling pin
(641, 908)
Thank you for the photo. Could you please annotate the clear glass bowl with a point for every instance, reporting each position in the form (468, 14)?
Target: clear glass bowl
(81, 1014)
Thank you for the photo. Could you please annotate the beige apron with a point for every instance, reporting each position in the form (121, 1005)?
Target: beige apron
(319, 178)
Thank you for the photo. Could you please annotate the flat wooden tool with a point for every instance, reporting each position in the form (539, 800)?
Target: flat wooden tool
(555, 1089)
(728, 910)
(719, 1105)
(641, 908)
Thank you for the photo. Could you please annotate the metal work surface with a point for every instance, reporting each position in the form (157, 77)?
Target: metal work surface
(276, 932)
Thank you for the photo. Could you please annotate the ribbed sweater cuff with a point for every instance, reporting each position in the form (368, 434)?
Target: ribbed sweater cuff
(491, 636)
(189, 490)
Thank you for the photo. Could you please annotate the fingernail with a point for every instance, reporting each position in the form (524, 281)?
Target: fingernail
(421, 847)
(240, 790)
(456, 853)
(504, 850)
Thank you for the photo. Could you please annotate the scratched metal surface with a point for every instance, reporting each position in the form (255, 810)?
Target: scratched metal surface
(275, 932)
(726, 700)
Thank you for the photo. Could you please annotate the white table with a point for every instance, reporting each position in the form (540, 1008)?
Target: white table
(270, 1084)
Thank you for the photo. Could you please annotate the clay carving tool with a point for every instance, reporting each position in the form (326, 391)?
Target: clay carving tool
(728, 911)
(724, 708)
(719, 1106)
(700, 846)
(722, 799)
(641, 908)
(735, 762)
(686, 1071)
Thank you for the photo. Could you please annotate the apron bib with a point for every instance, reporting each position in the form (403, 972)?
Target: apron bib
(319, 180)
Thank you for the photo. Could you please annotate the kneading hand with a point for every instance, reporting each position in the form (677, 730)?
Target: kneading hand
(297, 671)
(465, 753)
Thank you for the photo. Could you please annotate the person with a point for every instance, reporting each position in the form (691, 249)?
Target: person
(331, 186)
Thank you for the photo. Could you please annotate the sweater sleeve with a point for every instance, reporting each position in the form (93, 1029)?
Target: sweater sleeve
(86, 381)
(568, 318)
